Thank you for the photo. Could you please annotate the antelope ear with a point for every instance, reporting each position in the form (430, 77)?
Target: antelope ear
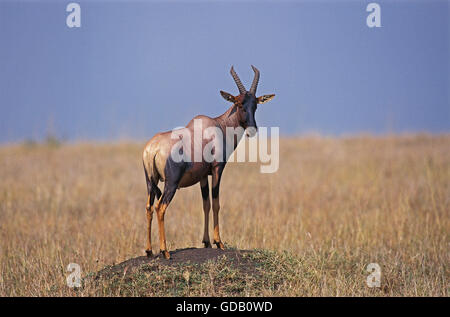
(265, 98)
(227, 96)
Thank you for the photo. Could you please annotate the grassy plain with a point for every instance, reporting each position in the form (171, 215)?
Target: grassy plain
(334, 206)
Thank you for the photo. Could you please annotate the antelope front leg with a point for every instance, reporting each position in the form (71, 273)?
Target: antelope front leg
(216, 207)
(216, 176)
(206, 208)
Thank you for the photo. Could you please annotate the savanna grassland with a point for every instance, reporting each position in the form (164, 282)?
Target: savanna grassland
(334, 206)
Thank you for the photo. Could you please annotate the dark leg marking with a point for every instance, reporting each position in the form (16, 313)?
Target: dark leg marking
(205, 191)
(215, 190)
(206, 208)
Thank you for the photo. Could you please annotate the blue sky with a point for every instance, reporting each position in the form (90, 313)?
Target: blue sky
(138, 67)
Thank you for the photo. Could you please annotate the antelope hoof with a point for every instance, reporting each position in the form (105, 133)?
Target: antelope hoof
(207, 244)
(219, 245)
(165, 254)
(149, 253)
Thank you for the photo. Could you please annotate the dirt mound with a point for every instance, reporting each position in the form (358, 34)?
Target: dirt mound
(181, 257)
(198, 272)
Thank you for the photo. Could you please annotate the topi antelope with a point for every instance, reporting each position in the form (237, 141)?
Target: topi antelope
(159, 164)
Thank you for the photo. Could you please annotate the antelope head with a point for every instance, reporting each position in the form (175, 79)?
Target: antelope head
(246, 102)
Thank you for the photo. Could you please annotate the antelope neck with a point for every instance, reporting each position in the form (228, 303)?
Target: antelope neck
(229, 118)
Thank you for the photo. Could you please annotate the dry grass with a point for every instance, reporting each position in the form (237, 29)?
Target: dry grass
(335, 205)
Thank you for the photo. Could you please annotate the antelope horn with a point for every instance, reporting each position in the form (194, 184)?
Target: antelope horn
(237, 81)
(255, 81)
